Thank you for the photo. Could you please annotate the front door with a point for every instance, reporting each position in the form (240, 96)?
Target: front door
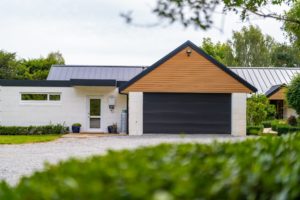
(94, 113)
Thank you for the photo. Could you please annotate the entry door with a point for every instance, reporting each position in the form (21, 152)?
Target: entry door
(94, 113)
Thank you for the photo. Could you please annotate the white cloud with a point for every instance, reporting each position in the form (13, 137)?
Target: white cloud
(91, 31)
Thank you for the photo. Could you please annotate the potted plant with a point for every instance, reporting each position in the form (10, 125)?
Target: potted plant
(76, 128)
(113, 128)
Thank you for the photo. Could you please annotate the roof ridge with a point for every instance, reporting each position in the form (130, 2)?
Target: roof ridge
(279, 68)
(117, 66)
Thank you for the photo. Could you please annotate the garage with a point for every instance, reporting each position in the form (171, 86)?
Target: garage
(176, 113)
(187, 91)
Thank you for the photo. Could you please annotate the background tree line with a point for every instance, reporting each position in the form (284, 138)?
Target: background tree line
(251, 48)
(12, 67)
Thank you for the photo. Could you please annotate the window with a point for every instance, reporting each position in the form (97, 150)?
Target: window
(34, 97)
(54, 97)
(40, 97)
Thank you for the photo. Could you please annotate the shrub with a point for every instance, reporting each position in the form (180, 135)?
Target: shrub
(293, 94)
(254, 130)
(263, 168)
(283, 129)
(275, 123)
(76, 124)
(259, 109)
(267, 124)
(292, 120)
(294, 129)
(33, 130)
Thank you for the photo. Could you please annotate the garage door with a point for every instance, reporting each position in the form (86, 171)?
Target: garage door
(187, 113)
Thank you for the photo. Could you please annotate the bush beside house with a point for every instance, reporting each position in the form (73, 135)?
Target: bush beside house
(33, 130)
(259, 109)
(293, 94)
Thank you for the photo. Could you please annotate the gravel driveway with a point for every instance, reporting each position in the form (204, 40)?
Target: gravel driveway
(19, 160)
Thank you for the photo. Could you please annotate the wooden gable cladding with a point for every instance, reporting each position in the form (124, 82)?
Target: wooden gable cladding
(279, 95)
(188, 74)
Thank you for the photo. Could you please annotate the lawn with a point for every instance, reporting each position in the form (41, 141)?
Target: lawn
(21, 139)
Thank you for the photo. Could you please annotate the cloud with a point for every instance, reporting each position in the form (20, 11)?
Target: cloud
(92, 32)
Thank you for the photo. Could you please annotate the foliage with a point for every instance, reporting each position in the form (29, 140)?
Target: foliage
(33, 130)
(294, 129)
(293, 29)
(22, 139)
(200, 13)
(254, 130)
(220, 51)
(262, 168)
(283, 129)
(8, 65)
(251, 48)
(293, 94)
(31, 69)
(259, 109)
(38, 69)
(292, 120)
(276, 123)
(284, 55)
(76, 124)
(267, 124)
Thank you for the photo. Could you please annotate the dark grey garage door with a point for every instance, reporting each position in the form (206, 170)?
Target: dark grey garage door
(187, 113)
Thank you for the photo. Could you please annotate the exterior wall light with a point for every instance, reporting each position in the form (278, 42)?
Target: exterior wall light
(188, 52)
(111, 103)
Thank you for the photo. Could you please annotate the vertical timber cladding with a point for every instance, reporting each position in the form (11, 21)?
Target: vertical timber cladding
(187, 113)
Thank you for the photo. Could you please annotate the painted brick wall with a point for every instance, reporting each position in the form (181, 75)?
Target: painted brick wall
(71, 109)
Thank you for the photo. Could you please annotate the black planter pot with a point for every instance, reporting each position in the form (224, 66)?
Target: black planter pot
(76, 129)
(111, 129)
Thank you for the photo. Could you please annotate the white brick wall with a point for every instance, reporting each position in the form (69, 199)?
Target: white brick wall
(72, 108)
(238, 114)
(135, 104)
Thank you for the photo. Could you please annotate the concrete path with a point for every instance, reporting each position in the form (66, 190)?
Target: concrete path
(19, 160)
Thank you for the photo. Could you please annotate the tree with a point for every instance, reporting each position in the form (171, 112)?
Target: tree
(199, 13)
(251, 47)
(220, 51)
(38, 69)
(293, 29)
(293, 94)
(8, 65)
(284, 55)
(259, 109)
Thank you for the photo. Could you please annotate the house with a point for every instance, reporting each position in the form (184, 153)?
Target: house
(187, 91)
(272, 82)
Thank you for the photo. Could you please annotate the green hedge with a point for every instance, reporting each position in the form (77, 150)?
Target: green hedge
(283, 129)
(33, 130)
(263, 168)
(267, 124)
(254, 130)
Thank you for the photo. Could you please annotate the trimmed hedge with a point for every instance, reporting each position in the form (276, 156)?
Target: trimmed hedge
(283, 129)
(267, 124)
(276, 123)
(263, 168)
(33, 130)
(254, 130)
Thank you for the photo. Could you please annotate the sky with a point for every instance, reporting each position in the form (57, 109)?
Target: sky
(92, 32)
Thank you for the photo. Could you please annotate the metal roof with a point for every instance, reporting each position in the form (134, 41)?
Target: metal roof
(273, 89)
(263, 78)
(68, 72)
